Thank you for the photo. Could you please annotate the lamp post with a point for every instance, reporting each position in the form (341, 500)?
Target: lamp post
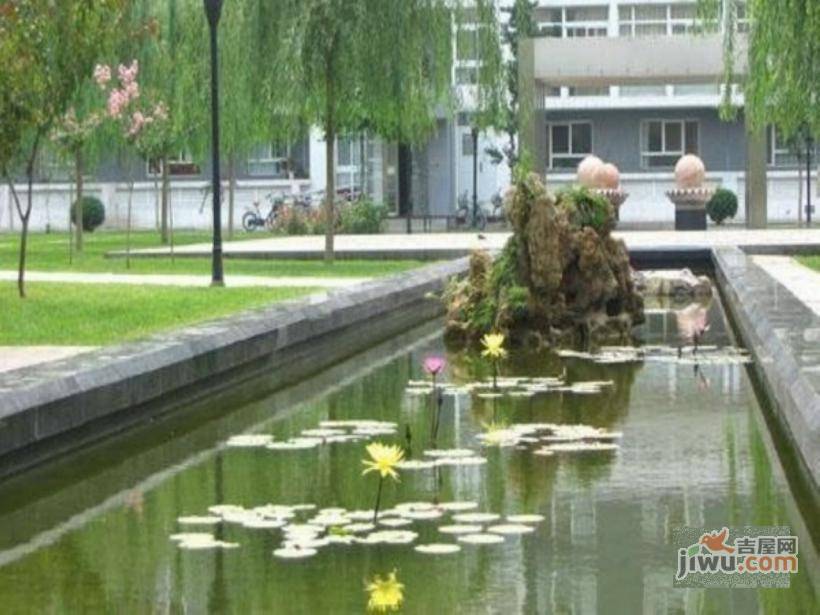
(809, 147)
(213, 10)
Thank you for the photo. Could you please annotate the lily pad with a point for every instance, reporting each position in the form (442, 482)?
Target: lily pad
(294, 553)
(461, 529)
(525, 518)
(199, 520)
(510, 528)
(481, 539)
(476, 517)
(438, 548)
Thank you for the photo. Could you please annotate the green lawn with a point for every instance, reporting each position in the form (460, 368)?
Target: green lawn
(50, 253)
(810, 261)
(91, 315)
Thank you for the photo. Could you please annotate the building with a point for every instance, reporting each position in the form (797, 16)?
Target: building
(630, 81)
(637, 84)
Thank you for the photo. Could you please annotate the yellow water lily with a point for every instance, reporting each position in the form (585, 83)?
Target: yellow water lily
(493, 346)
(384, 459)
(385, 594)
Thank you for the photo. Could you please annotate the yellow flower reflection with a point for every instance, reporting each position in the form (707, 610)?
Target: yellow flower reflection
(385, 594)
(493, 346)
(384, 459)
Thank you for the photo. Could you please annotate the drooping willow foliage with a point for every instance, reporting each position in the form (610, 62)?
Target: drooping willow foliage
(783, 82)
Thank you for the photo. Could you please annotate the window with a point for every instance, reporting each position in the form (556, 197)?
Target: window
(656, 19)
(742, 17)
(782, 152)
(574, 22)
(568, 144)
(663, 142)
(467, 75)
(589, 91)
(181, 165)
(467, 44)
(271, 159)
(642, 90)
(349, 160)
(696, 89)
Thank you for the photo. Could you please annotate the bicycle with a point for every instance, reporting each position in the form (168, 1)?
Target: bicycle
(252, 218)
(467, 215)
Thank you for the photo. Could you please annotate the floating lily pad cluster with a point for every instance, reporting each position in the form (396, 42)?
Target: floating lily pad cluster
(510, 387)
(548, 439)
(443, 457)
(684, 355)
(305, 529)
(328, 432)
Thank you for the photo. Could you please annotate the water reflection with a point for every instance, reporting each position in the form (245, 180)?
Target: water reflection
(98, 539)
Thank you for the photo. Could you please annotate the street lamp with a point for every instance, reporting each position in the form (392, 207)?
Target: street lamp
(213, 10)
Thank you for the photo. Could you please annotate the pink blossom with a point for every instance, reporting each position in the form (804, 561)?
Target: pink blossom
(137, 124)
(128, 74)
(132, 90)
(117, 101)
(102, 75)
(434, 365)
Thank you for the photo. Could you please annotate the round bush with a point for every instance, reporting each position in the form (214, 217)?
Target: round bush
(362, 218)
(93, 213)
(722, 205)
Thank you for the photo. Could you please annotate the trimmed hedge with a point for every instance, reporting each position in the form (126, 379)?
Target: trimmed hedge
(93, 213)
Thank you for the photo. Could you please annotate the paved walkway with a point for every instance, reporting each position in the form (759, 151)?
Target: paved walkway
(233, 281)
(447, 245)
(802, 282)
(15, 357)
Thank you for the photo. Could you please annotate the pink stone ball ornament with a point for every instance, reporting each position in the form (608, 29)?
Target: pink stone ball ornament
(587, 170)
(690, 172)
(607, 177)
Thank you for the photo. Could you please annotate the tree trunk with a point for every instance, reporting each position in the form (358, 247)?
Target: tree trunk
(405, 184)
(78, 203)
(231, 192)
(128, 225)
(330, 159)
(799, 193)
(26, 215)
(164, 208)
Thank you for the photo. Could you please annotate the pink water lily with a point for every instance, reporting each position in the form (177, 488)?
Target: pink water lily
(434, 365)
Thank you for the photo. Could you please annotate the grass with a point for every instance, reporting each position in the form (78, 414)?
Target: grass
(92, 315)
(49, 252)
(813, 261)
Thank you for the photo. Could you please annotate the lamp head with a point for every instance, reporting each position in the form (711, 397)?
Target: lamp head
(213, 9)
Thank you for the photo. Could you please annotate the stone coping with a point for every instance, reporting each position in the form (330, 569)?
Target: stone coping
(783, 334)
(106, 390)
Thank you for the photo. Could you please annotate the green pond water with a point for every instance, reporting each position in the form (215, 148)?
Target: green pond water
(90, 533)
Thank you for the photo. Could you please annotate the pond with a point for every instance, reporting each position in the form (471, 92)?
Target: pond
(92, 531)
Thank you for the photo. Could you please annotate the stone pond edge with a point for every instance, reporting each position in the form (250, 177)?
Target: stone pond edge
(783, 335)
(49, 409)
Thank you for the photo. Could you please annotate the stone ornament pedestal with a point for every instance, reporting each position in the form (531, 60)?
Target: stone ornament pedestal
(616, 198)
(690, 195)
(690, 207)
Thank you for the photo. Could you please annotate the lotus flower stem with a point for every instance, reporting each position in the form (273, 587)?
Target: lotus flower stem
(495, 375)
(378, 500)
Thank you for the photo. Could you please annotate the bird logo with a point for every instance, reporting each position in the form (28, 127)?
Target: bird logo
(715, 541)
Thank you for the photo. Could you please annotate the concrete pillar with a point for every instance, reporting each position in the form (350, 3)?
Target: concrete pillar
(756, 185)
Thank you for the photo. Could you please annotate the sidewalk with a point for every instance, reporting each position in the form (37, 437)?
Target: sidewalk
(451, 245)
(802, 282)
(16, 357)
(231, 281)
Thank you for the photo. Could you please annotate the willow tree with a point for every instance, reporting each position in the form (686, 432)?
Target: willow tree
(386, 64)
(58, 43)
(520, 24)
(782, 84)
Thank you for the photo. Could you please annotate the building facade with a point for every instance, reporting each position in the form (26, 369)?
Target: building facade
(632, 82)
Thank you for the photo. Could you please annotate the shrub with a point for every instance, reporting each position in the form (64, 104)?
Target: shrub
(93, 213)
(586, 208)
(362, 217)
(292, 221)
(722, 205)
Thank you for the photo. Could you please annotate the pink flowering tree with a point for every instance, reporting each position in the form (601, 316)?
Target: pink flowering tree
(143, 124)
